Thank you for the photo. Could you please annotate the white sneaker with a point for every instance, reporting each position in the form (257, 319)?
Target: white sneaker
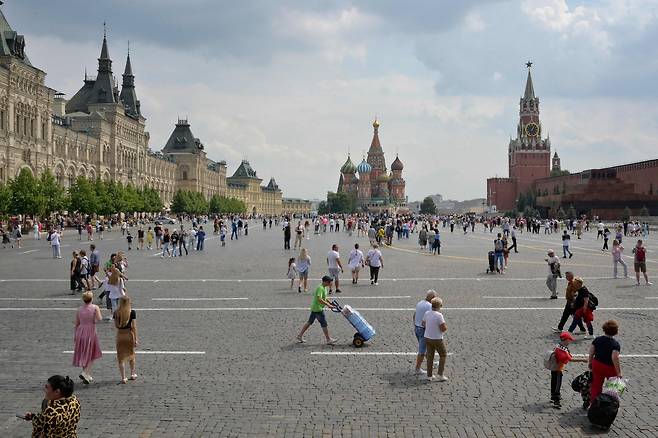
(419, 371)
(301, 340)
(556, 330)
(588, 337)
(649, 283)
(376, 284)
(331, 341)
(441, 378)
(431, 378)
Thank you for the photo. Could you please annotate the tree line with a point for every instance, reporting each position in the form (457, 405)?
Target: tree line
(195, 203)
(42, 196)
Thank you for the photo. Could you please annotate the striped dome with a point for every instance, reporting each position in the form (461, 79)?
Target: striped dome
(364, 167)
(348, 167)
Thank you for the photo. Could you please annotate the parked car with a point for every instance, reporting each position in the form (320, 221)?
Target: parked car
(165, 220)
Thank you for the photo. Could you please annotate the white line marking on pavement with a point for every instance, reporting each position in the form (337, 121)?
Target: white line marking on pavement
(513, 298)
(651, 298)
(381, 297)
(27, 252)
(367, 353)
(639, 356)
(373, 309)
(148, 352)
(197, 299)
(38, 299)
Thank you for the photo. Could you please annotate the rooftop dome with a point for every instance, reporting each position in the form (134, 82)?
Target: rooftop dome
(364, 167)
(397, 164)
(348, 167)
(382, 177)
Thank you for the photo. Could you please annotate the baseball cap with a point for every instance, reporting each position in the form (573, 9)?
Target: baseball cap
(564, 336)
(327, 279)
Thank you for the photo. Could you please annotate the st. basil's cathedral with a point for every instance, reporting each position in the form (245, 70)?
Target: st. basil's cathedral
(374, 189)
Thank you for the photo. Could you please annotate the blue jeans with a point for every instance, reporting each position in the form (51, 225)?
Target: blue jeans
(420, 335)
(199, 245)
(499, 261)
(565, 250)
(578, 321)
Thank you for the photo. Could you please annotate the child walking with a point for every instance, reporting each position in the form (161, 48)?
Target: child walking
(292, 271)
(562, 358)
(222, 234)
(129, 238)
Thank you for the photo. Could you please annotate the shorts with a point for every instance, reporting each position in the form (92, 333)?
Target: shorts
(303, 275)
(420, 335)
(319, 316)
(94, 269)
(334, 273)
(641, 266)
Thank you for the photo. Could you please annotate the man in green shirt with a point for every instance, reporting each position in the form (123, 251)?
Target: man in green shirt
(317, 311)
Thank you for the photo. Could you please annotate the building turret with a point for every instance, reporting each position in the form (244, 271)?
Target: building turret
(365, 189)
(128, 95)
(556, 163)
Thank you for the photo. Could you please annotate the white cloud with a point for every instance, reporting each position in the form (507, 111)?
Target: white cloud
(474, 22)
(578, 22)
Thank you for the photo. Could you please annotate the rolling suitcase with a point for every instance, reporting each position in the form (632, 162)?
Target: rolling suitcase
(492, 261)
(603, 411)
(364, 331)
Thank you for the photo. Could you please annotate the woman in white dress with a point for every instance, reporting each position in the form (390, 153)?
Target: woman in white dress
(355, 263)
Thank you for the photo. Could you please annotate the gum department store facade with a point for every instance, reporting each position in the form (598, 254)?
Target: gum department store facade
(100, 133)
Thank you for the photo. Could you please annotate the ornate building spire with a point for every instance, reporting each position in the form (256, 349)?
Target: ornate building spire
(128, 95)
(529, 89)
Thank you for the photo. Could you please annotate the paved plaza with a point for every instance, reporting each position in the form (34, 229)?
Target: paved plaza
(231, 320)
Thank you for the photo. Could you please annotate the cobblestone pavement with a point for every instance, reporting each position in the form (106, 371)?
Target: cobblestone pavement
(250, 377)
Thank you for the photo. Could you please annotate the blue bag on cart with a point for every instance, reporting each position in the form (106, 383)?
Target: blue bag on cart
(358, 322)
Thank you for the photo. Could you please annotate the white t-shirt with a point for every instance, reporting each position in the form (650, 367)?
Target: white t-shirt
(552, 260)
(375, 258)
(332, 258)
(356, 257)
(54, 239)
(422, 308)
(433, 320)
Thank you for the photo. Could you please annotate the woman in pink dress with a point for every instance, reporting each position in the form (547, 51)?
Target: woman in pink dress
(87, 348)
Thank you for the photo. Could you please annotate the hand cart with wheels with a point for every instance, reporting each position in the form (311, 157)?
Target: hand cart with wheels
(364, 331)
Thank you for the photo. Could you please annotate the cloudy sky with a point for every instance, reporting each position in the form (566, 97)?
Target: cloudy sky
(294, 85)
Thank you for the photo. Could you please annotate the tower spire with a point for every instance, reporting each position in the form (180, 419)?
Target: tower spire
(529, 89)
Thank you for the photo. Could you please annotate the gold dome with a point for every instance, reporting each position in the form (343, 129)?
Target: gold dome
(375, 124)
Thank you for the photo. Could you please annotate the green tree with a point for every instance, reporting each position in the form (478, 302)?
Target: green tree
(626, 214)
(83, 196)
(644, 211)
(180, 203)
(341, 202)
(132, 199)
(563, 172)
(5, 199)
(428, 206)
(152, 201)
(24, 193)
(105, 204)
(323, 207)
(215, 204)
(52, 196)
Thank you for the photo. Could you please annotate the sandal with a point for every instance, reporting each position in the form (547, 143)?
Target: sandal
(124, 381)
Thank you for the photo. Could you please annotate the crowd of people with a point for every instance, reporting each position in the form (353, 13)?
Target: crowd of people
(88, 274)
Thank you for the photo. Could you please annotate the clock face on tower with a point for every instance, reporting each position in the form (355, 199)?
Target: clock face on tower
(531, 129)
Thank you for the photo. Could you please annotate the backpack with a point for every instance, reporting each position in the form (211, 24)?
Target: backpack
(550, 362)
(593, 301)
(498, 245)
